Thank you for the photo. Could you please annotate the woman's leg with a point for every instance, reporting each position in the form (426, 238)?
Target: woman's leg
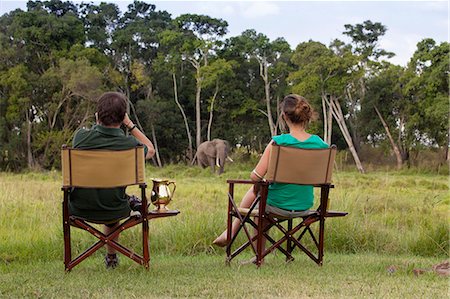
(246, 202)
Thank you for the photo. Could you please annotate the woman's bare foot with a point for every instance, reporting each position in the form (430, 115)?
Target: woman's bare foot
(221, 240)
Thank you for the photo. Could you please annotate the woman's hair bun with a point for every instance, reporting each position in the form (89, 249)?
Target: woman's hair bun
(297, 109)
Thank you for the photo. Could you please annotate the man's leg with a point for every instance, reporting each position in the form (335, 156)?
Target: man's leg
(111, 259)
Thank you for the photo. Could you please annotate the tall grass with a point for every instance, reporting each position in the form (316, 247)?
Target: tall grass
(391, 213)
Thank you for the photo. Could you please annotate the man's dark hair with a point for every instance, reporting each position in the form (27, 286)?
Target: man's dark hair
(111, 108)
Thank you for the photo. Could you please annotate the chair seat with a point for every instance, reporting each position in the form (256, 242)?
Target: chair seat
(306, 213)
(73, 217)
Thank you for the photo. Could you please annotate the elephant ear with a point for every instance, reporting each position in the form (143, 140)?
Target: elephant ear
(227, 144)
(210, 149)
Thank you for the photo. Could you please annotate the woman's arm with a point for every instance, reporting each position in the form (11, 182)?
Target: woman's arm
(261, 168)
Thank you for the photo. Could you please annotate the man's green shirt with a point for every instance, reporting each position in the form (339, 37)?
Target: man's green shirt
(101, 204)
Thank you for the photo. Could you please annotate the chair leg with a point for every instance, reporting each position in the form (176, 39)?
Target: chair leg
(229, 223)
(324, 191)
(66, 231)
(67, 247)
(145, 224)
(146, 253)
(321, 240)
(289, 242)
(259, 243)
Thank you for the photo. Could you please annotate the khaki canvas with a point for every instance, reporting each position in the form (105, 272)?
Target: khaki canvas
(300, 166)
(102, 168)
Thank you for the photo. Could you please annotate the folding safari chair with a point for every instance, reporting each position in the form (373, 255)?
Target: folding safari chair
(105, 169)
(286, 165)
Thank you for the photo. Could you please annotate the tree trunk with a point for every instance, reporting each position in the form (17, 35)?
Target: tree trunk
(353, 122)
(395, 148)
(130, 104)
(264, 73)
(447, 145)
(212, 110)
(278, 125)
(404, 150)
(198, 138)
(186, 124)
(325, 118)
(339, 116)
(329, 125)
(155, 144)
(29, 153)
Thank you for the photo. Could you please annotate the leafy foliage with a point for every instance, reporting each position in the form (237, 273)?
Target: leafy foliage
(181, 73)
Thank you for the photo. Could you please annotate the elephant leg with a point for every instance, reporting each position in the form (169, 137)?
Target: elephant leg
(221, 169)
(202, 160)
(212, 163)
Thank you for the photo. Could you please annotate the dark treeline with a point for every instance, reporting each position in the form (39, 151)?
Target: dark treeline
(187, 83)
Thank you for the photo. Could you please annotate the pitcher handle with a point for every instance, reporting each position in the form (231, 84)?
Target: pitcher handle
(174, 187)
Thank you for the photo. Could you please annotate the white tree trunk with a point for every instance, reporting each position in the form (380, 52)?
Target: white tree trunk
(186, 124)
(155, 143)
(330, 125)
(395, 148)
(29, 153)
(211, 111)
(325, 119)
(339, 116)
(198, 78)
(264, 73)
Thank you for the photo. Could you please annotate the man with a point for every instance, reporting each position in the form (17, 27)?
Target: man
(108, 205)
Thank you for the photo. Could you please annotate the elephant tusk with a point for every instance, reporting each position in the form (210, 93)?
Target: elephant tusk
(229, 159)
(217, 162)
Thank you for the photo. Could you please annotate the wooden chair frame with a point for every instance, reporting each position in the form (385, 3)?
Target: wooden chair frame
(292, 235)
(85, 224)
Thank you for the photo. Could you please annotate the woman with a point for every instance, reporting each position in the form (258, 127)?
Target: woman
(283, 199)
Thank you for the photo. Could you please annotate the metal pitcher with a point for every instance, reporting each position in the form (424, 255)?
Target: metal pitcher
(161, 194)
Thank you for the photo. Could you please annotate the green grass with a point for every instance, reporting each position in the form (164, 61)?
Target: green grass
(394, 219)
(343, 275)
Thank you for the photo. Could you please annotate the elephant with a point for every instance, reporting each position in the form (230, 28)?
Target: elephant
(211, 153)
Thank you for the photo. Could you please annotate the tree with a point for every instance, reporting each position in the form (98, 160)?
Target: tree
(170, 59)
(323, 74)
(385, 97)
(72, 87)
(100, 22)
(18, 83)
(365, 45)
(428, 90)
(198, 49)
(214, 73)
(268, 54)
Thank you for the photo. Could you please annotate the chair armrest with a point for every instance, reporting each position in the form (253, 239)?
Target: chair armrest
(248, 182)
(241, 182)
(335, 214)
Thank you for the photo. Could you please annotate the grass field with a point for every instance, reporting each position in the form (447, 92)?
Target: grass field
(395, 219)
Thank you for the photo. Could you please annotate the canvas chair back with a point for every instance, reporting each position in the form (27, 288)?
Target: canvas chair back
(300, 166)
(102, 168)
